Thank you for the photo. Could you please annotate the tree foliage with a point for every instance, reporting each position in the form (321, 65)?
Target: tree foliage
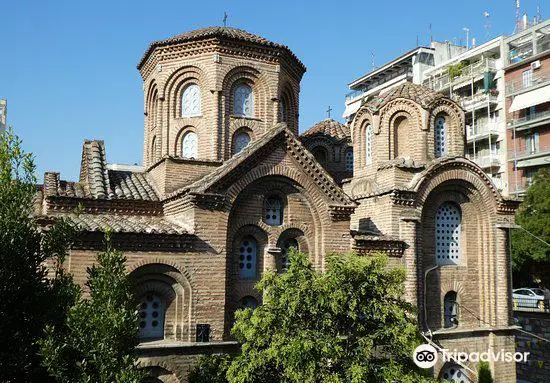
(534, 216)
(347, 324)
(29, 300)
(97, 342)
(484, 373)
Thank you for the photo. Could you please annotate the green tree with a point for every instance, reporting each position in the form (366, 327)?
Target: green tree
(484, 373)
(97, 342)
(30, 299)
(211, 369)
(534, 216)
(347, 324)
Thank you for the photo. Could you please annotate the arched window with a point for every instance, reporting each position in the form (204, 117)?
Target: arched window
(273, 211)
(249, 302)
(287, 245)
(154, 148)
(368, 144)
(401, 137)
(440, 137)
(320, 155)
(151, 317)
(248, 251)
(450, 309)
(240, 141)
(348, 158)
(243, 101)
(191, 101)
(282, 111)
(447, 234)
(454, 374)
(189, 145)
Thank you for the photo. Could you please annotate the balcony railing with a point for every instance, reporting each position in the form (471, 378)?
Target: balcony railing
(530, 118)
(477, 99)
(487, 161)
(521, 153)
(520, 85)
(519, 187)
(481, 131)
(355, 94)
(443, 81)
(531, 304)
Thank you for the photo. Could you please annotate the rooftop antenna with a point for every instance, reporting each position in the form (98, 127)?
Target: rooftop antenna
(417, 39)
(430, 31)
(539, 15)
(225, 18)
(373, 59)
(467, 30)
(487, 24)
(518, 22)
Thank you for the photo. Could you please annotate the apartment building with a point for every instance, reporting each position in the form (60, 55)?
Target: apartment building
(527, 77)
(475, 79)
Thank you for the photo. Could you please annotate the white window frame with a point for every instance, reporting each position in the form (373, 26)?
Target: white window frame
(243, 101)
(447, 233)
(248, 246)
(151, 317)
(191, 101)
(440, 137)
(189, 145)
(368, 144)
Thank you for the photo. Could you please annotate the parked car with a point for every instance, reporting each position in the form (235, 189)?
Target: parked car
(528, 297)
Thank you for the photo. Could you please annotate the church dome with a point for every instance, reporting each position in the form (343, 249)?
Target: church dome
(420, 94)
(227, 33)
(328, 127)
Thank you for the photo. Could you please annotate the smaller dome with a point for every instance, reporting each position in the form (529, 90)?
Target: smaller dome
(417, 93)
(328, 127)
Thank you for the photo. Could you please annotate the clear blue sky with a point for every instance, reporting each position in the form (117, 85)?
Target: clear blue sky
(68, 68)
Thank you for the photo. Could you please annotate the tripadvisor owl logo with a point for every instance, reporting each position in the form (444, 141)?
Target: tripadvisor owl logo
(425, 356)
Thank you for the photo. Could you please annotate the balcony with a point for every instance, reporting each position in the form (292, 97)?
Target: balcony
(536, 81)
(536, 118)
(524, 153)
(443, 81)
(487, 161)
(481, 131)
(519, 187)
(478, 100)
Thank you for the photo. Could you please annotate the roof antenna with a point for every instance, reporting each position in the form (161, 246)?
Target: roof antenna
(518, 26)
(430, 30)
(225, 18)
(539, 15)
(487, 25)
(373, 56)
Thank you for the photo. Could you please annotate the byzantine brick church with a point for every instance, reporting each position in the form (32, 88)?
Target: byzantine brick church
(228, 186)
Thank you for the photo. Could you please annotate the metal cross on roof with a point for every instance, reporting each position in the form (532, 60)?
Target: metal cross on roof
(328, 111)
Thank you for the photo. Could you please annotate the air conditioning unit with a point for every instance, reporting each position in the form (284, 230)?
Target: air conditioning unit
(535, 64)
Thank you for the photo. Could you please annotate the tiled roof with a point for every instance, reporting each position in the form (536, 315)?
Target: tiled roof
(209, 32)
(417, 93)
(246, 155)
(125, 224)
(97, 181)
(328, 127)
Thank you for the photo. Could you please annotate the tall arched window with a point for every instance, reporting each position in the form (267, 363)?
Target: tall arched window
(447, 234)
(450, 309)
(348, 158)
(287, 245)
(368, 144)
(320, 155)
(189, 145)
(151, 317)
(282, 111)
(273, 211)
(243, 101)
(240, 141)
(440, 132)
(248, 252)
(401, 137)
(191, 101)
(154, 148)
